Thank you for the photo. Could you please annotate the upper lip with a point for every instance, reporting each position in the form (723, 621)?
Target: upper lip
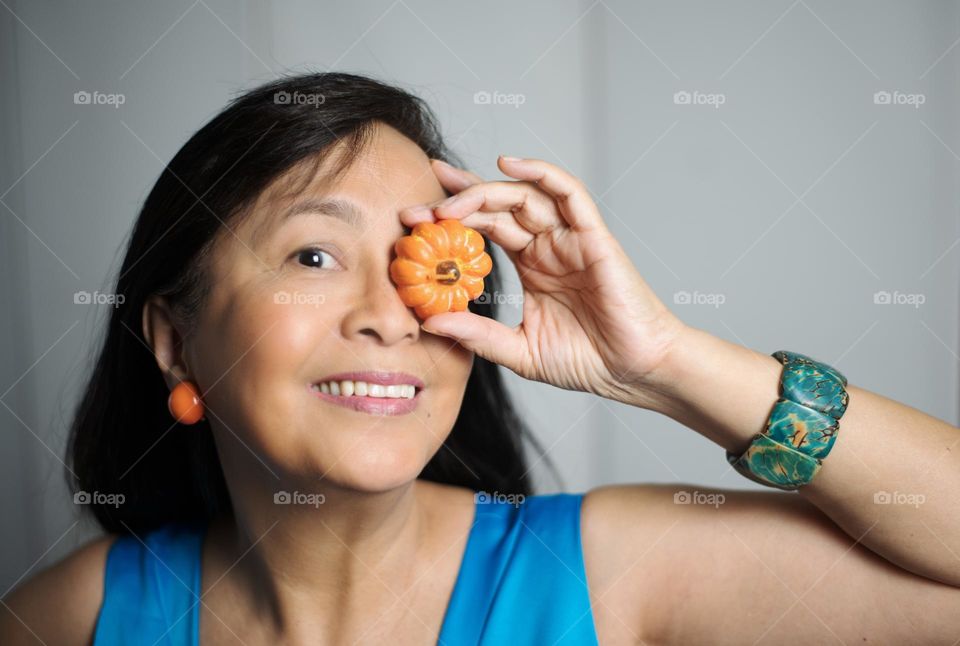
(383, 377)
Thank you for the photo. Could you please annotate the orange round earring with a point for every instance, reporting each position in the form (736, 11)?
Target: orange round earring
(184, 403)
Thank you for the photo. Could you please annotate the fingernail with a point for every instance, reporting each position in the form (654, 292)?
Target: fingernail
(510, 159)
(440, 161)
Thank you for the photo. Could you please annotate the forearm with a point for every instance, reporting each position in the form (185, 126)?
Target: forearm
(725, 392)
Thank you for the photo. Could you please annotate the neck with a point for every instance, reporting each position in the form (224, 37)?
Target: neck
(333, 560)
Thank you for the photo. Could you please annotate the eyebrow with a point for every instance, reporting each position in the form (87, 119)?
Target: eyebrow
(334, 207)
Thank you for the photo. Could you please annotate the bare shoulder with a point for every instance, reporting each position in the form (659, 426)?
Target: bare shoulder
(678, 563)
(649, 547)
(619, 518)
(60, 604)
(618, 526)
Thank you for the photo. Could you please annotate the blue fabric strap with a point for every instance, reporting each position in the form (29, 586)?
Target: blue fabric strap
(523, 579)
(151, 589)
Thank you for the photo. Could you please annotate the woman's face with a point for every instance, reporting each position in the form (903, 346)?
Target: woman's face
(298, 296)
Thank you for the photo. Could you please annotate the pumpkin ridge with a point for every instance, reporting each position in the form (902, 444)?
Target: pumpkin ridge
(439, 267)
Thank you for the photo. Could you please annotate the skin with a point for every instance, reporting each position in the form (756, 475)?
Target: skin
(822, 565)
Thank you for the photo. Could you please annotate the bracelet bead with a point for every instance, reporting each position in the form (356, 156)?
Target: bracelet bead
(802, 426)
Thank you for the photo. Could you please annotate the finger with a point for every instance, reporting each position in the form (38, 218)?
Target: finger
(484, 336)
(480, 211)
(500, 228)
(511, 214)
(452, 178)
(413, 215)
(534, 208)
(570, 194)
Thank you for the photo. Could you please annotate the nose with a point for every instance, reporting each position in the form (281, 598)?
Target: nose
(379, 313)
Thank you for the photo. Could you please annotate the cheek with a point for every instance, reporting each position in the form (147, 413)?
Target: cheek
(448, 372)
(260, 337)
(256, 360)
(448, 360)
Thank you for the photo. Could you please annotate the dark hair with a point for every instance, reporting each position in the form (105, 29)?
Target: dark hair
(122, 439)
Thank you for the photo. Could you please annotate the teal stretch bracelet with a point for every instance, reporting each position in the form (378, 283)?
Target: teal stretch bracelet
(802, 427)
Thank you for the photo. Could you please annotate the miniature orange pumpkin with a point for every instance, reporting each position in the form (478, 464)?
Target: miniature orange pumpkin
(440, 267)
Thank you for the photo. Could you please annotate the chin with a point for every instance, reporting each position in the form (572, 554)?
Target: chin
(382, 467)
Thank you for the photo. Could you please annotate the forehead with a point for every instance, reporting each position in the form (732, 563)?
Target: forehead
(390, 173)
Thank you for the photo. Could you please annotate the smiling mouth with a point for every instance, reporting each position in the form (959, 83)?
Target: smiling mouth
(363, 389)
(369, 398)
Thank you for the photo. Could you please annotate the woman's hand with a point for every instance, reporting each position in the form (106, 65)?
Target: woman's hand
(590, 321)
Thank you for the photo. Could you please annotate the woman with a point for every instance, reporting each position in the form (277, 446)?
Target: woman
(300, 499)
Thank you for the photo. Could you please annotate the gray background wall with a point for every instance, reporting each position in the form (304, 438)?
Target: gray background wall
(782, 206)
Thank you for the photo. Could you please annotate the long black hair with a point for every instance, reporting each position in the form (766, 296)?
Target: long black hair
(122, 438)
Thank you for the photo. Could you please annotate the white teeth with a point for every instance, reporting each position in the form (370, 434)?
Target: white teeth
(348, 388)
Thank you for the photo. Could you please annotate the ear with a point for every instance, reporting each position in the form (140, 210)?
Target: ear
(165, 339)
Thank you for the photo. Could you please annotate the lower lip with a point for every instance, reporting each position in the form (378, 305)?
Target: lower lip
(372, 405)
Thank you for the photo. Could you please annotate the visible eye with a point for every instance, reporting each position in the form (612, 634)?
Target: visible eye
(316, 258)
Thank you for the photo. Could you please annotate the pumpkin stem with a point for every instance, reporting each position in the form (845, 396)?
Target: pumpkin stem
(447, 272)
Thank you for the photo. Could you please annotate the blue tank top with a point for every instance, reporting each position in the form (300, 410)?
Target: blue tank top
(521, 582)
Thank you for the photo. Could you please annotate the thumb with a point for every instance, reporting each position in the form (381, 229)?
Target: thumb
(484, 336)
